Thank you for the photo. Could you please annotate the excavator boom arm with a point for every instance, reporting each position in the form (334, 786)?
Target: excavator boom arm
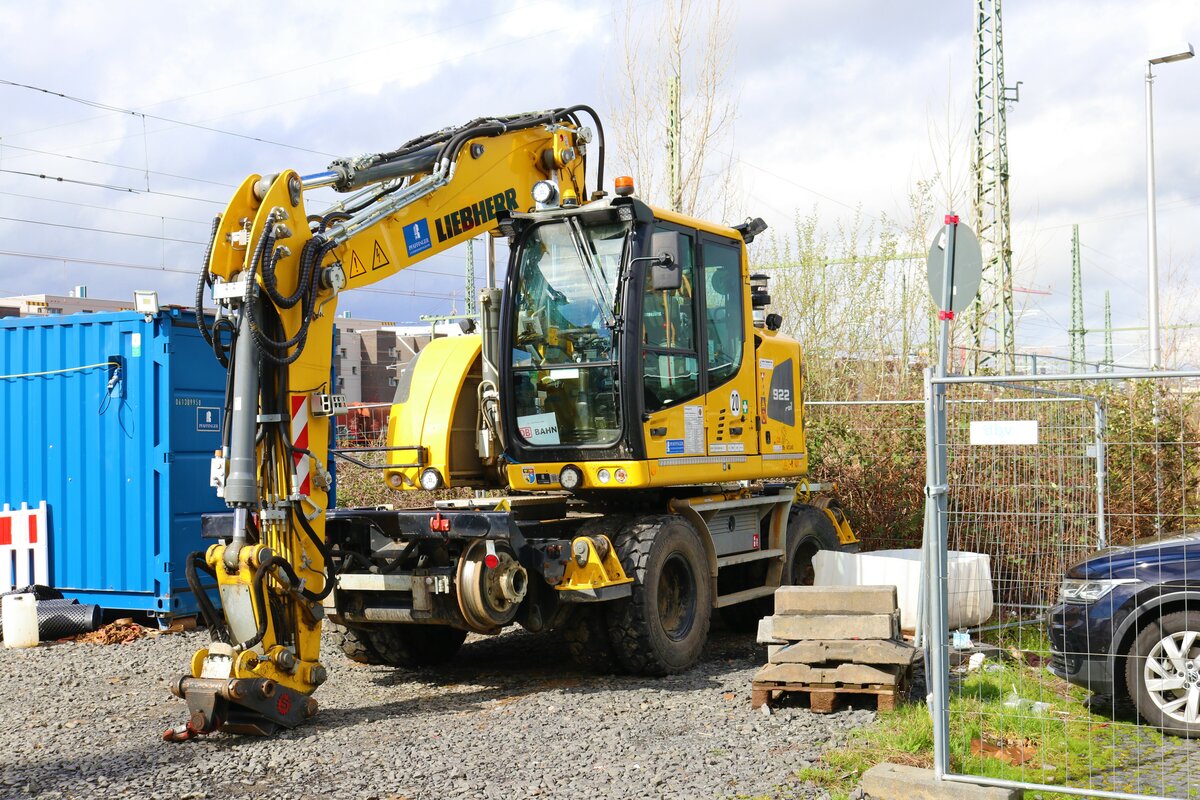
(275, 270)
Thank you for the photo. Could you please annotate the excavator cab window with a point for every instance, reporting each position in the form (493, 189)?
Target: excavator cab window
(670, 363)
(722, 311)
(564, 371)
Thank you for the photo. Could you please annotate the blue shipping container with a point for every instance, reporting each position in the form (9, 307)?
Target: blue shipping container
(117, 440)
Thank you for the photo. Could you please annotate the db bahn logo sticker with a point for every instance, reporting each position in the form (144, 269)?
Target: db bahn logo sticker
(416, 237)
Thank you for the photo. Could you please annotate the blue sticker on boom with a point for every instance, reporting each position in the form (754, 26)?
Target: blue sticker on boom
(416, 237)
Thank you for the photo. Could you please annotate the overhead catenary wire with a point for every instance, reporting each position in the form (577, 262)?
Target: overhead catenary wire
(114, 165)
(144, 115)
(111, 186)
(103, 208)
(447, 255)
(292, 70)
(192, 272)
(100, 230)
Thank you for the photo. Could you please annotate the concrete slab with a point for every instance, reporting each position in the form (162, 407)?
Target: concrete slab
(809, 627)
(832, 673)
(835, 599)
(765, 634)
(900, 782)
(862, 651)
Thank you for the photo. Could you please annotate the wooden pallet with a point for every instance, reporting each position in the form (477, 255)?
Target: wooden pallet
(824, 698)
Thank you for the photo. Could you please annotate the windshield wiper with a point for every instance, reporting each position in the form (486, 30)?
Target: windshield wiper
(597, 286)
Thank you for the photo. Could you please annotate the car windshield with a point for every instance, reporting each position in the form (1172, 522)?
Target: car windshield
(564, 376)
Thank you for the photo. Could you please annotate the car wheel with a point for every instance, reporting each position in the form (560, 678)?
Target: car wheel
(1162, 672)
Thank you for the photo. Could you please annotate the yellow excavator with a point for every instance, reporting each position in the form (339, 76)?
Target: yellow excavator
(625, 407)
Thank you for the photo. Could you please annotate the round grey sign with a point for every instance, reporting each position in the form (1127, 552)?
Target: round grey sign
(966, 272)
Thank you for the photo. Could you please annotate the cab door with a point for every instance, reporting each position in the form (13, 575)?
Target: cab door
(672, 381)
(729, 374)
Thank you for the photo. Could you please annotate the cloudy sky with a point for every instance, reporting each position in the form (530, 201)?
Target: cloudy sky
(841, 105)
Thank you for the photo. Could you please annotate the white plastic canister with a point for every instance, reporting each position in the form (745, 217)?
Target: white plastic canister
(20, 620)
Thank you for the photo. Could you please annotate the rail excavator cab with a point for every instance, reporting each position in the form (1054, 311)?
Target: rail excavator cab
(631, 358)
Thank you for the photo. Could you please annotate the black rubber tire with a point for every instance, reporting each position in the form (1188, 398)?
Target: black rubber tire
(412, 647)
(663, 626)
(586, 635)
(585, 629)
(809, 530)
(1143, 647)
(353, 645)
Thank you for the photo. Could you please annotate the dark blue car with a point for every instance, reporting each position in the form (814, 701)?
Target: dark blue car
(1127, 624)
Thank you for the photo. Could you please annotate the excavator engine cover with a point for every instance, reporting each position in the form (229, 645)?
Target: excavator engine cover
(437, 407)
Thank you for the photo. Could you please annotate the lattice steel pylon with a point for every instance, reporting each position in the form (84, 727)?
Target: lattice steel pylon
(1078, 353)
(469, 306)
(991, 316)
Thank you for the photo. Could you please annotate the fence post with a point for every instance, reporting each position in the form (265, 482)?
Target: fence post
(1101, 473)
(936, 671)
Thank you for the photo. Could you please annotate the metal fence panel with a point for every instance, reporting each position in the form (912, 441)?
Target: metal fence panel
(1084, 686)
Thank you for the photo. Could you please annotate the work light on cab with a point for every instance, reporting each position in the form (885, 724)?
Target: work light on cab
(545, 194)
(431, 479)
(570, 477)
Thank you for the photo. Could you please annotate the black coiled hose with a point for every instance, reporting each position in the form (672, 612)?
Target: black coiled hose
(204, 281)
(216, 625)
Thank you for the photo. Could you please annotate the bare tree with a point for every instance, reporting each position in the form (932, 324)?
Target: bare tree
(674, 111)
(855, 296)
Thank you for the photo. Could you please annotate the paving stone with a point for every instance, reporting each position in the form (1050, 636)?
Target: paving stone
(830, 673)
(901, 782)
(809, 627)
(860, 651)
(835, 599)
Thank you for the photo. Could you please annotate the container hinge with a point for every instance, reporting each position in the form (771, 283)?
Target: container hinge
(168, 457)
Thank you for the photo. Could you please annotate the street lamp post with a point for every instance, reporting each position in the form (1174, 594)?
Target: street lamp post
(1151, 213)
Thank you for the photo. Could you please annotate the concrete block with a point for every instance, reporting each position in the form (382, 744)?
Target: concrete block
(861, 651)
(833, 673)
(835, 599)
(765, 634)
(809, 627)
(900, 782)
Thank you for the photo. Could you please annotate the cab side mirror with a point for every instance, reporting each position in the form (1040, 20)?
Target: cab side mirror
(666, 272)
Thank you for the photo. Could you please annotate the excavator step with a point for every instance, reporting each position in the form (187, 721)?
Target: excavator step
(746, 594)
(742, 558)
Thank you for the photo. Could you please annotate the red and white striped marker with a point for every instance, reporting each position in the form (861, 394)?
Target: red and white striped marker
(24, 539)
(300, 439)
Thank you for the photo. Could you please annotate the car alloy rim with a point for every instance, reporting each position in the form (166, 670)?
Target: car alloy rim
(1172, 676)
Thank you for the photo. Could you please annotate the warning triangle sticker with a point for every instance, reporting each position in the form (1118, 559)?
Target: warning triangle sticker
(379, 258)
(356, 265)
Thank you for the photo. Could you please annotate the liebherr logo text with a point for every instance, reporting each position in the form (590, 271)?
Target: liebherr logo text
(465, 219)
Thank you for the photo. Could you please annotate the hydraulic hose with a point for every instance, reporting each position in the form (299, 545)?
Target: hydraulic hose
(216, 625)
(204, 281)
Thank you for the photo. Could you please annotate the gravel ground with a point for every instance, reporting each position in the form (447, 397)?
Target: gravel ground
(512, 717)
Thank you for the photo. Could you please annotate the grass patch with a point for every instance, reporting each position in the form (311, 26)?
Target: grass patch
(1061, 744)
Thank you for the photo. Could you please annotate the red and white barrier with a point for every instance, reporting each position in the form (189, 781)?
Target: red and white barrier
(300, 440)
(24, 547)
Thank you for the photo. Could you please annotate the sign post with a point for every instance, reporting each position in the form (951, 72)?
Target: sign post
(955, 267)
